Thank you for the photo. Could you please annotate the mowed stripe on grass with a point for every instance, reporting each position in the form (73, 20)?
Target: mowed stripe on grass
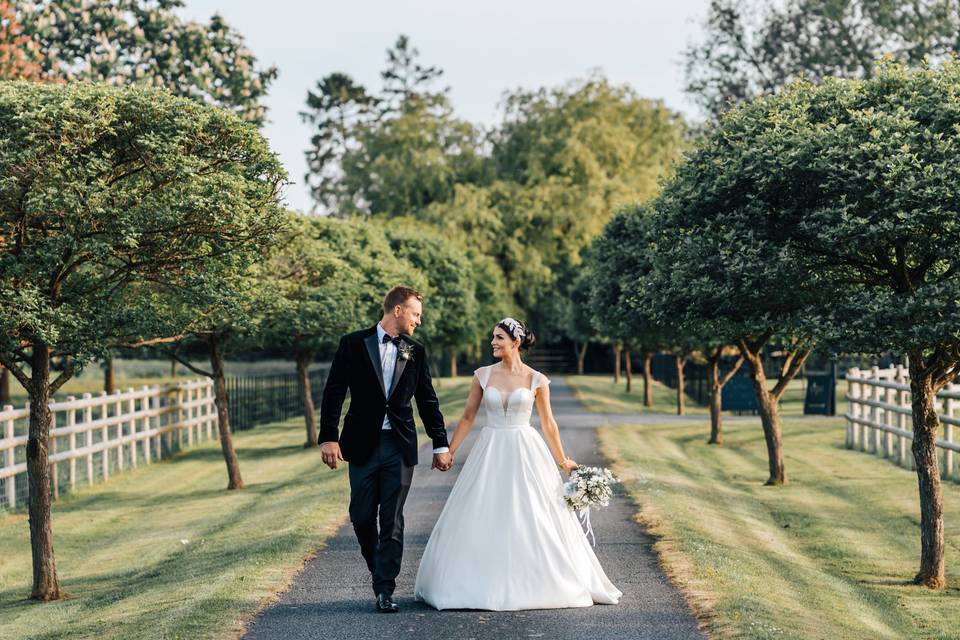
(164, 551)
(830, 555)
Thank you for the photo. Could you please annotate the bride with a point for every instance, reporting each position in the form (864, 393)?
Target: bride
(505, 539)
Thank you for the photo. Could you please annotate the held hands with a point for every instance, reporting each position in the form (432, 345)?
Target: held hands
(442, 461)
(330, 452)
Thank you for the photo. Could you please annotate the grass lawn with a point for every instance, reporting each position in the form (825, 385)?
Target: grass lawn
(828, 556)
(165, 552)
(600, 394)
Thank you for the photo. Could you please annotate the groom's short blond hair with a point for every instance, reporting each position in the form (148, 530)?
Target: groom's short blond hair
(399, 295)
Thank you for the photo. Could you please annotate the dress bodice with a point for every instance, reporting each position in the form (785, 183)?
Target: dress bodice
(508, 408)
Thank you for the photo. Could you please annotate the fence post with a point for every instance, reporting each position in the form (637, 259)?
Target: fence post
(72, 438)
(146, 403)
(53, 468)
(948, 434)
(88, 440)
(875, 394)
(853, 406)
(132, 409)
(121, 429)
(901, 417)
(10, 460)
(104, 436)
(209, 408)
(891, 419)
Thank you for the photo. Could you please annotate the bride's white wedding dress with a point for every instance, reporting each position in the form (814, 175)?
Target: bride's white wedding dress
(505, 539)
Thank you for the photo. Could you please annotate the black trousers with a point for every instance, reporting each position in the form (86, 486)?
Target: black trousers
(378, 490)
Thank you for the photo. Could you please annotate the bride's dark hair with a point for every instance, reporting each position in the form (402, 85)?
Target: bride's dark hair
(526, 341)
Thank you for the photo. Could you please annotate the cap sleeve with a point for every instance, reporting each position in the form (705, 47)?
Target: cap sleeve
(539, 380)
(483, 374)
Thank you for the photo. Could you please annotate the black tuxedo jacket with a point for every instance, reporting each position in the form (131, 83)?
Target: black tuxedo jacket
(356, 366)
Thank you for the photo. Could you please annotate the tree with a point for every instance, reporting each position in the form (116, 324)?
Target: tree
(364, 246)
(620, 265)
(717, 275)
(451, 306)
(114, 200)
(860, 174)
(317, 301)
(338, 107)
(752, 48)
(233, 320)
(407, 84)
(146, 42)
(20, 55)
(566, 158)
(392, 153)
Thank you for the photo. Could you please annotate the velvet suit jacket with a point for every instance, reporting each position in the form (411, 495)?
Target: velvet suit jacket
(356, 367)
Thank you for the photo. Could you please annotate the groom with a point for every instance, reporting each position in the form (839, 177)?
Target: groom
(383, 367)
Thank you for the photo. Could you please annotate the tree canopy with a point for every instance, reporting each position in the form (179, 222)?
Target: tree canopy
(751, 48)
(146, 42)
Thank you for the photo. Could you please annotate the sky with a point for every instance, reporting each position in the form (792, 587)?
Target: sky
(484, 49)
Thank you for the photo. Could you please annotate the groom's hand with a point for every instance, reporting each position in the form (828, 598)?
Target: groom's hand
(330, 452)
(442, 461)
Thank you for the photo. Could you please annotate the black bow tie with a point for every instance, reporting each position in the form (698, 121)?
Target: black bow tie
(396, 341)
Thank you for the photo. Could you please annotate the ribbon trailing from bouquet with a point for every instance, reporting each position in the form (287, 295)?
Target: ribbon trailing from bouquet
(585, 520)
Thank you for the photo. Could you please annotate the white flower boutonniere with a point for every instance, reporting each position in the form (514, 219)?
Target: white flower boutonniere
(406, 351)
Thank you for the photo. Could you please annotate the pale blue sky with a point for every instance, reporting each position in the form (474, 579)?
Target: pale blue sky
(484, 49)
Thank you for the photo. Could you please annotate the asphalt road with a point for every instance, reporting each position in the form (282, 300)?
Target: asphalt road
(331, 598)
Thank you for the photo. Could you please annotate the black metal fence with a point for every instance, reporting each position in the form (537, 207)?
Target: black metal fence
(260, 399)
(696, 376)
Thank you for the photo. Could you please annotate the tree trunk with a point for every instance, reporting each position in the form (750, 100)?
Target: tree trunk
(4, 386)
(46, 585)
(223, 413)
(304, 358)
(453, 364)
(616, 364)
(581, 356)
(925, 426)
(173, 368)
(769, 408)
(626, 360)
(648, 378)
(680, 360)
(716, 399)
(108, 382)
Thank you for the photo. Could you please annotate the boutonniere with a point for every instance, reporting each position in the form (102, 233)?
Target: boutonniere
(406, 351)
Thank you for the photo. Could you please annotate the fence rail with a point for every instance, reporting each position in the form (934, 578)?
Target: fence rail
(94, 436)
(879, 415)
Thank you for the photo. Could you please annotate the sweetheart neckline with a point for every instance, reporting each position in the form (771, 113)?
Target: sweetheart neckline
(506, 408)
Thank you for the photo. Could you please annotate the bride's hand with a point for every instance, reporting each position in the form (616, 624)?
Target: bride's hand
(568, 465)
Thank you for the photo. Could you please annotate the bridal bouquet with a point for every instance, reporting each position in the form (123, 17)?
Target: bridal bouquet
(588, 487)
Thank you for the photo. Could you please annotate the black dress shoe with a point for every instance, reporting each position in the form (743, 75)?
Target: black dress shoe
(385, 604)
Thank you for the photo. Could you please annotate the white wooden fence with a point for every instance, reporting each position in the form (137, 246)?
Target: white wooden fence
(96, 435)
(879, 417)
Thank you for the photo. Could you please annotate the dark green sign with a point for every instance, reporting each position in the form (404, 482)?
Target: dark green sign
(821, 395)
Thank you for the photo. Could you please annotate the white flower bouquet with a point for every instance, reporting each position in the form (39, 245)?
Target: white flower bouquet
(588, 487)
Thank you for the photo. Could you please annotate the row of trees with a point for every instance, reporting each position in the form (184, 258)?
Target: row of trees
(132, 217)
(136, 218)
(530, 194)
(823, 214)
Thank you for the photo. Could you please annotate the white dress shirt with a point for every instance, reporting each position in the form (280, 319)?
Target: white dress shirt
(388, 363)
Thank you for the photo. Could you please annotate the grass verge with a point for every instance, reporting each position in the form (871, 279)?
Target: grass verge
(164, 551)
(829, 555)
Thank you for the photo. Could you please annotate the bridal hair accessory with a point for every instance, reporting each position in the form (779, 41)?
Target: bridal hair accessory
(588, 486)
(516, 329)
